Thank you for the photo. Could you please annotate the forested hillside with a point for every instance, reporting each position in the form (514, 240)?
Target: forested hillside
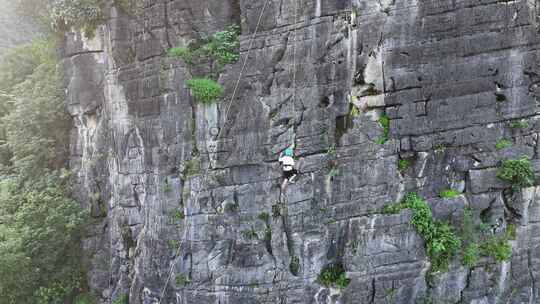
(40, 225)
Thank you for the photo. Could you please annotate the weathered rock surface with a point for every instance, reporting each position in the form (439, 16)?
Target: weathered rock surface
(451, 75)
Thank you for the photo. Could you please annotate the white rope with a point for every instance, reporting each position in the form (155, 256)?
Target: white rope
(219, 133)
(294, 74)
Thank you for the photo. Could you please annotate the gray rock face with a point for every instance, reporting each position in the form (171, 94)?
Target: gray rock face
(452, 76)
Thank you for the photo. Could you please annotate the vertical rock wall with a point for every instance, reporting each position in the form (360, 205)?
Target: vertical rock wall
(451, 75)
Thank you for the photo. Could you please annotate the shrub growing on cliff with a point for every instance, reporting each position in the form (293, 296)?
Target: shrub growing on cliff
(334, 275)
(221, 48)
(518, 172)
(83, 15)
(449, 193)
(384, 121)
(205, 90)
(441, 241)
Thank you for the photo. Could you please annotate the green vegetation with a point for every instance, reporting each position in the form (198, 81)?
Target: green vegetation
(40, 228)
(384, 121)
(121, 299)
(503, 144)
(179, 214)
(192, 167)
(83, 15)
(334, 275)
(518, 172)
(449, 193)
(471, 254)
(394, 208)
(497, 247)
(250, 234)
(478, 244)
(85, 298)
(218, 50)
(404, 164)
(205, 90)
(40, 225)
(294, 265)
(167, 186)
(441, 241)
(519, 124)
(182, 280)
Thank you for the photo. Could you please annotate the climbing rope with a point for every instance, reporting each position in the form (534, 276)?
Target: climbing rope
(293, 139)
(205, 175)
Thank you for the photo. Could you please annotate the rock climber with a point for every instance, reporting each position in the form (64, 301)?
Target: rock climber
(287, 163)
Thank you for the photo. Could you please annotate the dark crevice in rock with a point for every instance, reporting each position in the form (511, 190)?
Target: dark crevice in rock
(508, 196)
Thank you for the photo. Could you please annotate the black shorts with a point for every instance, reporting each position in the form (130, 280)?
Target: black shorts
(290, 173)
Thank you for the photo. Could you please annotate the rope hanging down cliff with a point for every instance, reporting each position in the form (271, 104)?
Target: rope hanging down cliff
(205, 175)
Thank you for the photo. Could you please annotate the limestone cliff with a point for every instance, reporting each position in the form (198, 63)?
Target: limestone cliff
(453, 77)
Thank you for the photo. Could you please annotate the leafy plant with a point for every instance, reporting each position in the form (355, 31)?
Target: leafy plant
(449, 193)
(334, 275)
(441, 241)
(384, 121)
(393, 208)
(121, 299)
(294, 265)
(498, 248)
(503, 144)
(519, 124)
(83, 15)
(518, 172)
(205, 90)
(404, 164)
(471, 254)
(183, 53)
(221, 48)
(182, 280)
(180, 215)
(85, 298)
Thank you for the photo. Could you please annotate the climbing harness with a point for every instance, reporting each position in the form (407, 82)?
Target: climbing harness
(219, 132)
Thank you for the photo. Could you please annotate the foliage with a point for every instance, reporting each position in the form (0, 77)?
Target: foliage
(449, 193)
(192, 167)
(205, 90)
(393, 208)
(503, 144)
(471, 254)
(518, 172)
(85, 298)
(519, 124)
(441, 241)
(221, 48)
(404, 164)
(83, 15)
(384, 121)
(183, 53)
(180, 215)
(121, 299)
(39, 226)
(497, 247)
(182, 280)
(35, 125)
(334, 275)
(294, 265)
